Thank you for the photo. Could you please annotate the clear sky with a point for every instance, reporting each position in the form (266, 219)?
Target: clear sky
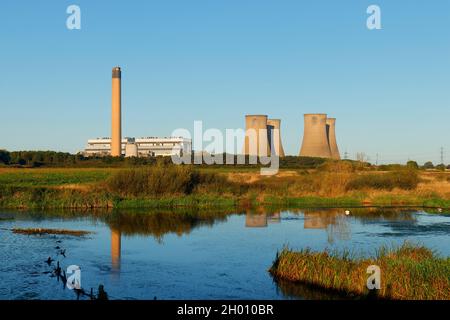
(217, 60)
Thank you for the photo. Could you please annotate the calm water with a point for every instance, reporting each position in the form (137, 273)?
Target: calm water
(182, 255)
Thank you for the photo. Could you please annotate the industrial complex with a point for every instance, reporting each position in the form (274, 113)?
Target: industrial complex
(141, 147)
(132, 147)
(262, 136)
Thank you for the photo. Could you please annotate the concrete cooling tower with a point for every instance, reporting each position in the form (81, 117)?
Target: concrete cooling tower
(315, 139)
(275, 144)
(256, 141)
(116, 121)
(331, 134)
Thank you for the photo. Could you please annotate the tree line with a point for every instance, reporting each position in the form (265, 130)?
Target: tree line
(65, 159)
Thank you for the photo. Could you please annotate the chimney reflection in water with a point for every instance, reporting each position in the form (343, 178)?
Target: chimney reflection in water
(115, 250)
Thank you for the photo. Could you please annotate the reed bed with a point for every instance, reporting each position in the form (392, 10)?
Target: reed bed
(408, 272)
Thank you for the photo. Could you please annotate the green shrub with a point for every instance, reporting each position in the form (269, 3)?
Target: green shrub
(5, 157)
(404, 179)
(163, 179)
(390, 167)
(412, 165)
(155, 180)
(428, 165)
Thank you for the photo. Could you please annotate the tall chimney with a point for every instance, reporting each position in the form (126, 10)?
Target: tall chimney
(331, 133)
(116, 125)
(315, 139)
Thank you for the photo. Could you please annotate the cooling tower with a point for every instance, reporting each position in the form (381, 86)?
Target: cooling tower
(116, 125)
(275, 145)
(315, 140)
(256, 139)
(331, 133)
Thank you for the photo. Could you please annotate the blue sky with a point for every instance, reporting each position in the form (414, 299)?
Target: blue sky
(218, 60)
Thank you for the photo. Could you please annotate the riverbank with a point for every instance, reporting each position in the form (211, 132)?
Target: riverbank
(408, 272)
(338, 185)
(50, 198)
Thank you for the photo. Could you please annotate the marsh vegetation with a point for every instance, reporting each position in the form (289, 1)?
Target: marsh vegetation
(333, 183)
(408, 272)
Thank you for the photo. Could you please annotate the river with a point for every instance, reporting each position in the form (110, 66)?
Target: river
(148, 254)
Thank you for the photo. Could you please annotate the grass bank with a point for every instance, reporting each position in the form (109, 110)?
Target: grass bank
(407, 272)
(336, 184)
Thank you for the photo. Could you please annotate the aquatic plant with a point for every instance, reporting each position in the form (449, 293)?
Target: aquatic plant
(407, 272)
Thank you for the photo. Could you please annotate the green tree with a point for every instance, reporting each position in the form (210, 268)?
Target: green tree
(412, 165)
(5, 157)
(428, 165)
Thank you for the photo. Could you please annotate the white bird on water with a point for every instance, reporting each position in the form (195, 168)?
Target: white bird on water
(347, 212)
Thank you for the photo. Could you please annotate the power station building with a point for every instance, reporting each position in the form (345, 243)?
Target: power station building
(117, 146)
(262, 136)
(141, 147)
(319, 137)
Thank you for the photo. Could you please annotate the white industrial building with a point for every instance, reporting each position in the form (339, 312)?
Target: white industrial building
(141, 147)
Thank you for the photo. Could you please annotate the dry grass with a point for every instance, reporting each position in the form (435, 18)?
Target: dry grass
(250, 177)
(104, 186)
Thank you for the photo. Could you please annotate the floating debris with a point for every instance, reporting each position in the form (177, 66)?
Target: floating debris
(49, 260)
(59, 273)
(39, 231)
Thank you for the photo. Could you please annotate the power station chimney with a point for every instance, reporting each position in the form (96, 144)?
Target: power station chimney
(116, 125)
(256, 136)
(315, 139)
(331, 133)
(275, 144)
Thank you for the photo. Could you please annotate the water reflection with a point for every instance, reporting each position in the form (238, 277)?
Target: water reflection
(256, 220)
(116, 242)
(335, 222)
(303, 291)
(275, 217)
(162, 222)
(158, 263)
